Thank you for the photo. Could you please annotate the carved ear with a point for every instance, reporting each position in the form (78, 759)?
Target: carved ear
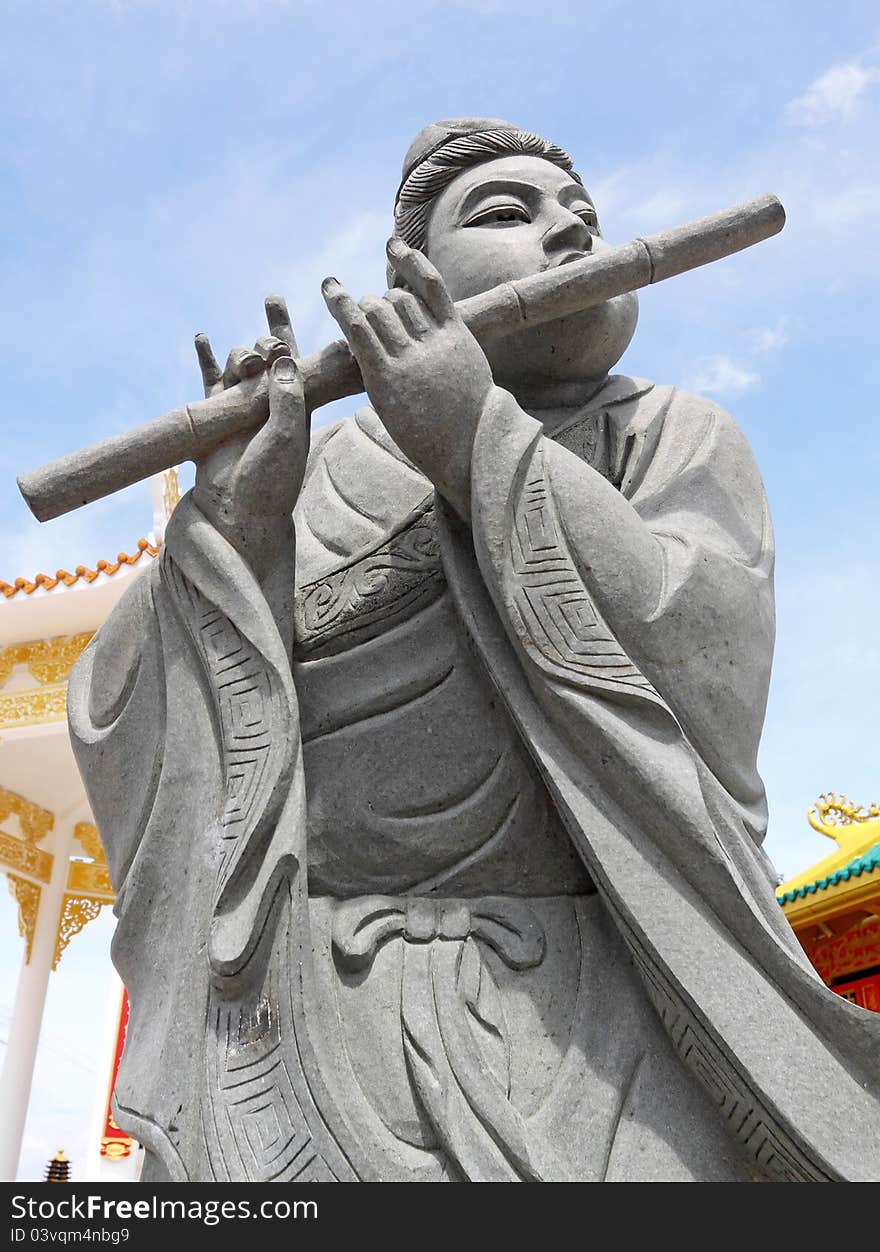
(117, 657)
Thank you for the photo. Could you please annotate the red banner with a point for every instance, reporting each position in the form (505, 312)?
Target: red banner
(862, 991)
(115, 1143)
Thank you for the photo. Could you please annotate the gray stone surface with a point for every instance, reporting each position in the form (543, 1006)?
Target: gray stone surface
(433, 812)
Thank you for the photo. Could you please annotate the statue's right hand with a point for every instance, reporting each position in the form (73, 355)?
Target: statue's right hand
(257, 477)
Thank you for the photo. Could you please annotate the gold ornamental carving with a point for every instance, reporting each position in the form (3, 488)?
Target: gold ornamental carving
(35, 822)
(33, 708)
(76, 913)
(87, 878)
(86, 835)
(831, 811)
(27, 896)
(15, 854)
(89, 840)
(170, 491)
(47, 660)
(115, 1149)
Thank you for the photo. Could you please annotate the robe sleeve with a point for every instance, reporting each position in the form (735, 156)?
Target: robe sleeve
(660, 583)
(184, 723)
(627, 624)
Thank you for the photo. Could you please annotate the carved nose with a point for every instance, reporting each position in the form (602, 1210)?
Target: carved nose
(569, 233)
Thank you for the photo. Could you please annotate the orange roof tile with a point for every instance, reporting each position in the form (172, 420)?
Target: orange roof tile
(82, 572)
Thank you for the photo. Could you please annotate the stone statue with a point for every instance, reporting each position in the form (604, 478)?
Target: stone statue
(425, 757)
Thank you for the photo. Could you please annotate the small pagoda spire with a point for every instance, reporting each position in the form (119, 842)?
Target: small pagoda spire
(58, 1169)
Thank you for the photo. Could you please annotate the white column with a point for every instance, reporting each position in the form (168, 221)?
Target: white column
(30, 998)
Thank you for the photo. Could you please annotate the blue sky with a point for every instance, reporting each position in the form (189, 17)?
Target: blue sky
(166, 165)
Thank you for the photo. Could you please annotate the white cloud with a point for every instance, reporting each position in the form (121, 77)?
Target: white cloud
(721, 375)
(769, 338)
(640, 198)
(830, 191)
(833, 96)
(840, 208)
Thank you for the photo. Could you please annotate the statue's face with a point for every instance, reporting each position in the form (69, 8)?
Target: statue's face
(516, 216)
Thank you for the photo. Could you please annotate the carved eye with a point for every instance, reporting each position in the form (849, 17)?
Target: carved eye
(588, 217)
(500, 215)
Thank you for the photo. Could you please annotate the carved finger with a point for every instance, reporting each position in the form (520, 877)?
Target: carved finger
(386, 323)
(279, 322)
(281, 446)
(242, 363)
(286, 400)
(422, 278)
(270, 348)
(212, 375)
(351, 319)
(409, 310)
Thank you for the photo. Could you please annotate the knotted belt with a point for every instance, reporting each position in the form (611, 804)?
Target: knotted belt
(456, 1039)
(506, 924)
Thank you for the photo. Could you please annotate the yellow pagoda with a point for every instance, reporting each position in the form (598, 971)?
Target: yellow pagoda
(834, 906)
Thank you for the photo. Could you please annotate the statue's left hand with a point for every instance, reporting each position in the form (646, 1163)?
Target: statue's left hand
(247, 487)
(256, 476)
(427, 377)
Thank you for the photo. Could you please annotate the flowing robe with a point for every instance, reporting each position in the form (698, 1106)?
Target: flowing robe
(474, 888)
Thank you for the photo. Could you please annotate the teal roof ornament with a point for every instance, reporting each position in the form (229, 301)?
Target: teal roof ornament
(866, 863)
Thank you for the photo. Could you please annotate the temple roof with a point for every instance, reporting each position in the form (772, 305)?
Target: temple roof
(850, 826)
(63, 578)
(847, 881)
(866, 863)
(68, 604)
